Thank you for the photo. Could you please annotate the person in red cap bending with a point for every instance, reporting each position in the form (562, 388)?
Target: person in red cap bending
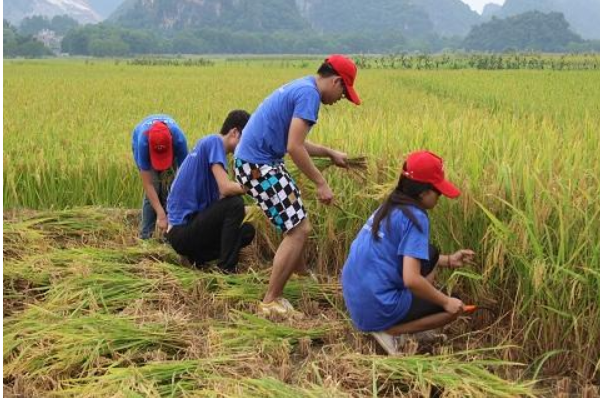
(387, 280)
(281, 125)
(159, 147)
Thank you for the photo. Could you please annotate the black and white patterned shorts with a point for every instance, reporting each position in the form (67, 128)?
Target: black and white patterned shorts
(276, 192)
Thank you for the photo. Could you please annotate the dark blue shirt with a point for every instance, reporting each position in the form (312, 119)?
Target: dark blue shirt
(195, 187)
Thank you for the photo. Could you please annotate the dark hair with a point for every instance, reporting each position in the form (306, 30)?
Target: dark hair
(403, 196)
(326, 70)
(235, 119)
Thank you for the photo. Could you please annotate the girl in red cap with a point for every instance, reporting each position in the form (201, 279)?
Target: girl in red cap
(388, 277)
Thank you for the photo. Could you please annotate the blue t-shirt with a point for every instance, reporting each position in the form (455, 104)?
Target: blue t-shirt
(372, 283)
(265, 137)
(141, 148)
(195, 187)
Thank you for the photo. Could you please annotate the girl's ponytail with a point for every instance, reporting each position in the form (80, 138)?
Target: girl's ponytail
(407, 193)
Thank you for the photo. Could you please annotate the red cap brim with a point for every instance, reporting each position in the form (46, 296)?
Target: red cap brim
(447, 189)
(352, 94)
(161, 161)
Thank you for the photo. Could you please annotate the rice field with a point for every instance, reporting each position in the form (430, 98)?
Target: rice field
(90, 311)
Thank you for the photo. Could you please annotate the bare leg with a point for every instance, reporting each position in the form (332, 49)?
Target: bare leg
(420, 325)
(301, 267)
(431, 276)
(287, 259)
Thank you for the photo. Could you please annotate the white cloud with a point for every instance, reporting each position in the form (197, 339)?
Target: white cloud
(477, 5)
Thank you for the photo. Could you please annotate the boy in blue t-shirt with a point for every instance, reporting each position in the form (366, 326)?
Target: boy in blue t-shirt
(204, 207)
(159, 147)
(280, 125)
(387, 280)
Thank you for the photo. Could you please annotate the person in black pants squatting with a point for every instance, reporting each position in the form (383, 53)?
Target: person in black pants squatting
(205, 208)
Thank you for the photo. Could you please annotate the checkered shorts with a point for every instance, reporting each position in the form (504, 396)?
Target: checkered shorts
(275, 191)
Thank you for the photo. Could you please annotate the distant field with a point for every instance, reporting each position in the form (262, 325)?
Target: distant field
(522, 144)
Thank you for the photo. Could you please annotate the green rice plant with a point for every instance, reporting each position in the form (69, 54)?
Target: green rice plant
(251, 286)
(358, 167)
(539, 261)
(521, 144)
(269, 387)
(247, 332)
(100, 280)
(358, 163)
(42, 344)
(37, 232)
(462, 374)
(19, 240)
(152, 379)
(39, 271)
(77, 222)
(188, 278)
(103, 292)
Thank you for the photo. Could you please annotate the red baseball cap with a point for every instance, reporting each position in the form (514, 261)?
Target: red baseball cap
(425, 166)
(161, 146)
(346, 68)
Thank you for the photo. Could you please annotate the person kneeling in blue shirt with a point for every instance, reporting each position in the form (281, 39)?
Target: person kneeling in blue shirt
(205, 208)
(387, 280)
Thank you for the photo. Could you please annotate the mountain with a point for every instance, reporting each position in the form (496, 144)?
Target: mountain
(411, 18)
(582, 15)
(532, 30)
(104, 7)
(450, 17)
(234, 15)
(490, 10)
(80, 10)
(356, 16)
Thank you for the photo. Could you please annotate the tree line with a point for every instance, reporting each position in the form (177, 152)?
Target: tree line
(110, 40)
(19, 45)
(531, 31)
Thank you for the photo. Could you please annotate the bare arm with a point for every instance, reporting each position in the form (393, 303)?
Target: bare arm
(316, 150)
(153, 198)
(226, 186)
(421, 287)
(457, 259)
(300, 152)
(338, 158)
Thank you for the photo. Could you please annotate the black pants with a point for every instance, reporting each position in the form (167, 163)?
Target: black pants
(420, 308)
(215, 233)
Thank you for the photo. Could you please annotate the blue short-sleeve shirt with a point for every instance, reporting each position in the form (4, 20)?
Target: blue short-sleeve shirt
(141, 148)
(374, 291)
(195, 187)
(265, 137)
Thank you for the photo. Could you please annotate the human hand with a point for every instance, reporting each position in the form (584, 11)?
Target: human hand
(339, 158)
(324, 193)
(460, 258)
(453, 306)
(162, 222)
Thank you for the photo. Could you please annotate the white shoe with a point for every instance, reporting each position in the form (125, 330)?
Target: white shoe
(280, 306)
(388, 342)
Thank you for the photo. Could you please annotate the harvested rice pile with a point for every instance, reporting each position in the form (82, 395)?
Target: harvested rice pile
(89, 311)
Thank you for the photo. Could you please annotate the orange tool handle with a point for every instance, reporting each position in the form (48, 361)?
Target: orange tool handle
(469, 309)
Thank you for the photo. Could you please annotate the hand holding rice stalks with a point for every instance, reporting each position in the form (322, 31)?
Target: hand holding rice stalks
(358, 166)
